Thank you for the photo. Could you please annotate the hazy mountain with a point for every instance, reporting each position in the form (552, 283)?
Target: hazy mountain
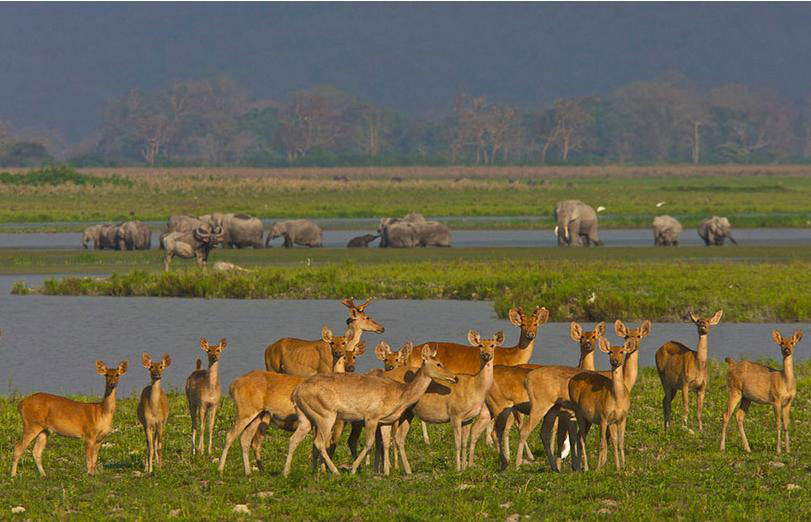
(60, 63)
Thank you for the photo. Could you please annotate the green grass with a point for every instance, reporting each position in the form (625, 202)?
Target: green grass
(681, 475)
(749, 283)
(750, 196)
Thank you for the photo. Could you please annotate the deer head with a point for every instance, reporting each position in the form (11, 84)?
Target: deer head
(587, 340)
(704, 323)
(215, 351)
(155, 367)
(787, 344)
(528, 323)
(111, 376)
(632, 336)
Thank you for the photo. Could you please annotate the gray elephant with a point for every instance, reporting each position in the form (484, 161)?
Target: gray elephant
(296, 232)
(239, 230)
(110, 237)
(91, 233)
(196, 244)
(411, 231)
(714, 230)
(134, 235)
(361, 241)
(666, 231)
(576, 224)
(184, 223)
(400, 234)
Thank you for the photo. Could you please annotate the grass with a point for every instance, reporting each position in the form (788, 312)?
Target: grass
(751, 284)
(681, 475)
(749, 195)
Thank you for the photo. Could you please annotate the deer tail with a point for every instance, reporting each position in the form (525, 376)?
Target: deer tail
(199, 364)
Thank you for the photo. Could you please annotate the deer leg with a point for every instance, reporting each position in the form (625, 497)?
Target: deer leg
(547, 428)
(667, 401)
(193, 413)
(39, 447)
(476, 431)
(612, 430)
(385, 440)
(732, 403)
(335, 436)
(739, 417)
(425, 437)
(304, 427)
(778, 412)
(700, 407)
(201, 419)
(685, 396)
(491, 437)
(237, 430)
(88, 456)
(574, 437)
(159, 445)
(150, 440)
(371, 427)
(258, 438)
(323, 434)
(786, 413)
(583, 427)
(536, 414)
(19, 449)
(504, 422)
(457, 440)
(621, 440)
(212, 417)
(399, 442)
(603, 456)
(354, 437)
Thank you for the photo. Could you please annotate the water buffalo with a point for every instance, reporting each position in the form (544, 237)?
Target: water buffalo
(191, 244)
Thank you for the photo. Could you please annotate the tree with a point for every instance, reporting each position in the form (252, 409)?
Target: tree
(312, 119)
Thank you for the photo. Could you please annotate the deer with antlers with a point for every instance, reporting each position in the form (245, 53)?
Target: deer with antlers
(305, 358)
(377, 401)
(203, 394)
(153, 409)
(681, 368)
(43, 414)
(749, 382)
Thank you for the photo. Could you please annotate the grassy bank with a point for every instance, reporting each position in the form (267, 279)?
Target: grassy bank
(750, 195)
(681, 475)
(594, 284)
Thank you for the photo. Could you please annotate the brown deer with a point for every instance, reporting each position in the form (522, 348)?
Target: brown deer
(681, 368)
(43, 414)
(392, 360)
(376, 401)
(153, 409)
(749, 382)
(203, 393)
(599, 399)
(457, 403)
(305, 358)
(460, 358)
(548, 389)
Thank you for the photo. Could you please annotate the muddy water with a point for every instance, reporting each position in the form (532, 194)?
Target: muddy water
(51, 343)
(465, 238)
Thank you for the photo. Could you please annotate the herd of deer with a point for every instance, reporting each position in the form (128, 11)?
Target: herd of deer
(311, 386)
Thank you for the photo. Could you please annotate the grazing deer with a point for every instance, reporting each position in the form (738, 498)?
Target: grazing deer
(681, 368)
(203, 394)
(749, 382)
(376, 401)
(43, 414)
(603, 400)
(305, 358)
(457, 403)
(548, 389)
(153, 409)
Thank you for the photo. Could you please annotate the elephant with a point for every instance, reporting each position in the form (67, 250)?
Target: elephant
(91, 233)
(239, 230)
(134, 235)
(666, 231)
(411, 231)
(714, 230)
(196, 244)
(110, 237)
(361, 241)
(576, 222)
(400, 234)
(184, 223)
(296, 232)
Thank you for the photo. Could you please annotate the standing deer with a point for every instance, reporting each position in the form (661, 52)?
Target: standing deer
(392, 360)
(603, 400)
(376, 401)
(153, 409)
(203, 394)
(749, 382)
(43, 414)
(681, 368)
(305, 358)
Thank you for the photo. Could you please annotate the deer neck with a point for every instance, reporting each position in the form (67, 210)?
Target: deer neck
(356, 333)
(108, 403)
(416, 388)
(586, 360)
(155, 392)
(485, 377)
(618, 388)
(702, 351)
(630, 370)
(525, 343)
(788, 371)
(214, 373)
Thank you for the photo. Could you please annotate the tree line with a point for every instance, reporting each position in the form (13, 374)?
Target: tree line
(215, 122)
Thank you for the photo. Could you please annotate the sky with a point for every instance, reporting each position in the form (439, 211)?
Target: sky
(60, 63)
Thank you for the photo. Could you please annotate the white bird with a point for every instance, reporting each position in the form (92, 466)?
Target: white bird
(600, 208)
(661, 203)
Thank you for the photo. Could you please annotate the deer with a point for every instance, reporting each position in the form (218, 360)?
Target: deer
(153, 409)
(599, 399)
(548, 390)
(509, 394)
(377, 401)
(749, 382)
(305, 358)
(681, 368)
(43, 414)
(203, 394)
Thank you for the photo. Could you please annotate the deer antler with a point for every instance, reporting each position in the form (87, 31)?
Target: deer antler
(364, 305)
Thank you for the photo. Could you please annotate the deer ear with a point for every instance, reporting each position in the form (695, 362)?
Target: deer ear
(717, 317)
(166, 360)
(146, 360)
(600, 329)
(542, 314)
(693, 317)
(798, 334)
(381, 350)
(223, 343)
(646, 326)
(122, 367)
(499, 338)
(777, 337)
(348, 303)
(405, 352)
(473, 338)
(101, 368)
(575, 332)
(326, 334)
(360, 348)
(515, 316)
(605, 346)
(620, 329)
(204, 344)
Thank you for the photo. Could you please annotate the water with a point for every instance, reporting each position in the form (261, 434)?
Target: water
(51, 343)
(463, 238)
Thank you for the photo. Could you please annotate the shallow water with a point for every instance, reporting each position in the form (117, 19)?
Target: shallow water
(51, 343)
(464, 238)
